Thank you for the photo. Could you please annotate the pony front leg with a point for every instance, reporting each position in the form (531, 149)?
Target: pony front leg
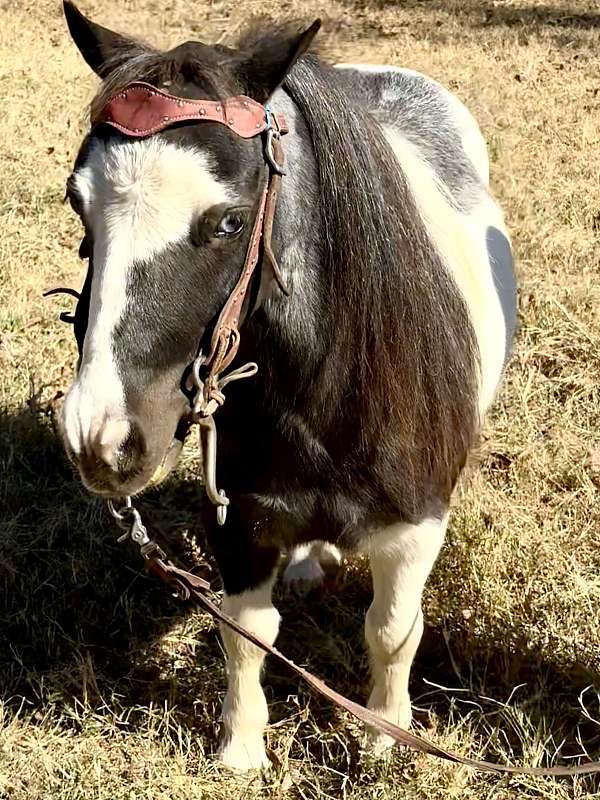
(401, 559)
(248, 570)
(245, 713)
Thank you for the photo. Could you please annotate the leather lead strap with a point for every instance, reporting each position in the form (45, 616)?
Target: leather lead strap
(188, 586)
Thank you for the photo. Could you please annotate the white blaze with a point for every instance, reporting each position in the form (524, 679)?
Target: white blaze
(139, 198)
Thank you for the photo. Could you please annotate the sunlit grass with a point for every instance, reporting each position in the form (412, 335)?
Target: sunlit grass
(111, 689)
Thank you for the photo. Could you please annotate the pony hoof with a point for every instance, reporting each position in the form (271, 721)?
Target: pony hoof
(301, 577)
(380, 745)
(243, 754)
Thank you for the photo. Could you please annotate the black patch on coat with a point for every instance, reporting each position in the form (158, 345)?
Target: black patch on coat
(503, 273)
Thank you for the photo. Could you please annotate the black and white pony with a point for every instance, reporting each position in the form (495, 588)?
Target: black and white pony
(374, 373)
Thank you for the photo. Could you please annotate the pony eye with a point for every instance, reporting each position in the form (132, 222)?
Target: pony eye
(231, 224)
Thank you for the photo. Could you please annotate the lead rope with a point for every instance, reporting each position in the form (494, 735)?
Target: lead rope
(186, 585)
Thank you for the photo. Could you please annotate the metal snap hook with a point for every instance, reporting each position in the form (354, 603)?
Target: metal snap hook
(118, 514)
(129, 520)
(138, 531)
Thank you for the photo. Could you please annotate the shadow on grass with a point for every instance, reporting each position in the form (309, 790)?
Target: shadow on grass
(476, 21)
(480, 14)
(77, 613)
(82, 626)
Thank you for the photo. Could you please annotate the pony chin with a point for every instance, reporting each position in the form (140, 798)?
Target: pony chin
(169, 461)
(111, 487)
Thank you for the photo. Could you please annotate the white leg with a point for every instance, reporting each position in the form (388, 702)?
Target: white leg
(245, 713)
(304, 570)
(401, 559)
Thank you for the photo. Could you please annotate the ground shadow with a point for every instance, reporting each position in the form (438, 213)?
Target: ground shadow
(480, 14)
(81, 624)
(439, 22)
(452, 676)
(76, 610)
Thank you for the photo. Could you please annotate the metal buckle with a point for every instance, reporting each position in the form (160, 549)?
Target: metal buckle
(202, 415)
(271, 136)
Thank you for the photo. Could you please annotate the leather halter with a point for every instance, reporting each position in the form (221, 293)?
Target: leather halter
(140, 110)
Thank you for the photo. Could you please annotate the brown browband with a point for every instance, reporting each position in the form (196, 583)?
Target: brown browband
(141, 110)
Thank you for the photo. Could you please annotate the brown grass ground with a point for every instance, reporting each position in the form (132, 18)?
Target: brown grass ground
(110, 689)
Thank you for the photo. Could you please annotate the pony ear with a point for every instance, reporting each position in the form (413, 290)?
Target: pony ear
(270, 61)
(99, 46)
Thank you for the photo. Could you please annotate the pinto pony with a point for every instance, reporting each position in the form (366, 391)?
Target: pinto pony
(375, 365)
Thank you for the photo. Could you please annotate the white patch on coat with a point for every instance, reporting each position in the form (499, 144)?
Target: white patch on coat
(304, 570)
(139, 198)
(245, 713)
(470, 135)
(460, 240)
(401, 558)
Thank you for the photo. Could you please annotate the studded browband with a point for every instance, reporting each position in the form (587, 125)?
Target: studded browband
(140, 110)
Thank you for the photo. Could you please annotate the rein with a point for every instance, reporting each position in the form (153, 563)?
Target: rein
(186, 586)
(141, 110)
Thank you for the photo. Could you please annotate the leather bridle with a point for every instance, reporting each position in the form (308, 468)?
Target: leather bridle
(140, 110)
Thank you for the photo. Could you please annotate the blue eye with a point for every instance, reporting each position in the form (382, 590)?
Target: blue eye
(231, 224)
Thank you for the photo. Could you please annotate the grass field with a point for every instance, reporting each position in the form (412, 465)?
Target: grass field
(111, 689)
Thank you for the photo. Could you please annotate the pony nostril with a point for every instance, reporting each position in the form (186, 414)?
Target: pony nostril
(112, 442)
(132, 449)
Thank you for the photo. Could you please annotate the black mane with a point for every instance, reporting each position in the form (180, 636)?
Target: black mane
(400, 375)
(192, 64)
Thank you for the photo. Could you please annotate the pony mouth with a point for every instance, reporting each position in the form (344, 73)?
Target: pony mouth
(167, 464)
(102, 481)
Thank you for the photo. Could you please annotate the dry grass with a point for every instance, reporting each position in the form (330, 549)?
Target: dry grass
(111, 690)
